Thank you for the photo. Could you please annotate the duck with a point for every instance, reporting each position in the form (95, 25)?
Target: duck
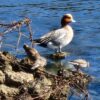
(59, 38)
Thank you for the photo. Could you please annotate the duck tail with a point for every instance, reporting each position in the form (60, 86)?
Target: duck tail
(36, 41)
(40, 42)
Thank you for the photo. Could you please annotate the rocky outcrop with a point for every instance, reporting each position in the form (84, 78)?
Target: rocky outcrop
(35, 57)
(18, 81)
(10, 77)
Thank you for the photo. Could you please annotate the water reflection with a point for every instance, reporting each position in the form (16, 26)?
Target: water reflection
(55, 65)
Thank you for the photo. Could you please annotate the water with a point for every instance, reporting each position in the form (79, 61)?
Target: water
(45, 16)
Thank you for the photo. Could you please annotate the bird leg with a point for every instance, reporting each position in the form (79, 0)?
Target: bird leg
(59, 49)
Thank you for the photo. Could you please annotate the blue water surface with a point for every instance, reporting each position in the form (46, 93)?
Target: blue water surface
(45, 16)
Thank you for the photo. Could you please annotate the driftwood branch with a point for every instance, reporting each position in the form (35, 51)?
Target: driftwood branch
(17, 25)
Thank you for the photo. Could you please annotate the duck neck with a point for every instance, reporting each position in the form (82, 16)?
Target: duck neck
(68, 28)
(65, 25)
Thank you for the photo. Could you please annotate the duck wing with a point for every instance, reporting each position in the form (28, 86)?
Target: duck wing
(51, 36)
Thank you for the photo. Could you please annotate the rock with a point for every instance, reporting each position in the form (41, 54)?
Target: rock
(7, 67)
(7, 60)
(26, 61)
(40, 62)
(35, 57)
(59, 55)
(5, 56)
(42, 86)
(23, 97)
(8, 91)
(18, 78)
(2, 77)
(31, 52)
(23, 94)
(79, 63)
(19, 82)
